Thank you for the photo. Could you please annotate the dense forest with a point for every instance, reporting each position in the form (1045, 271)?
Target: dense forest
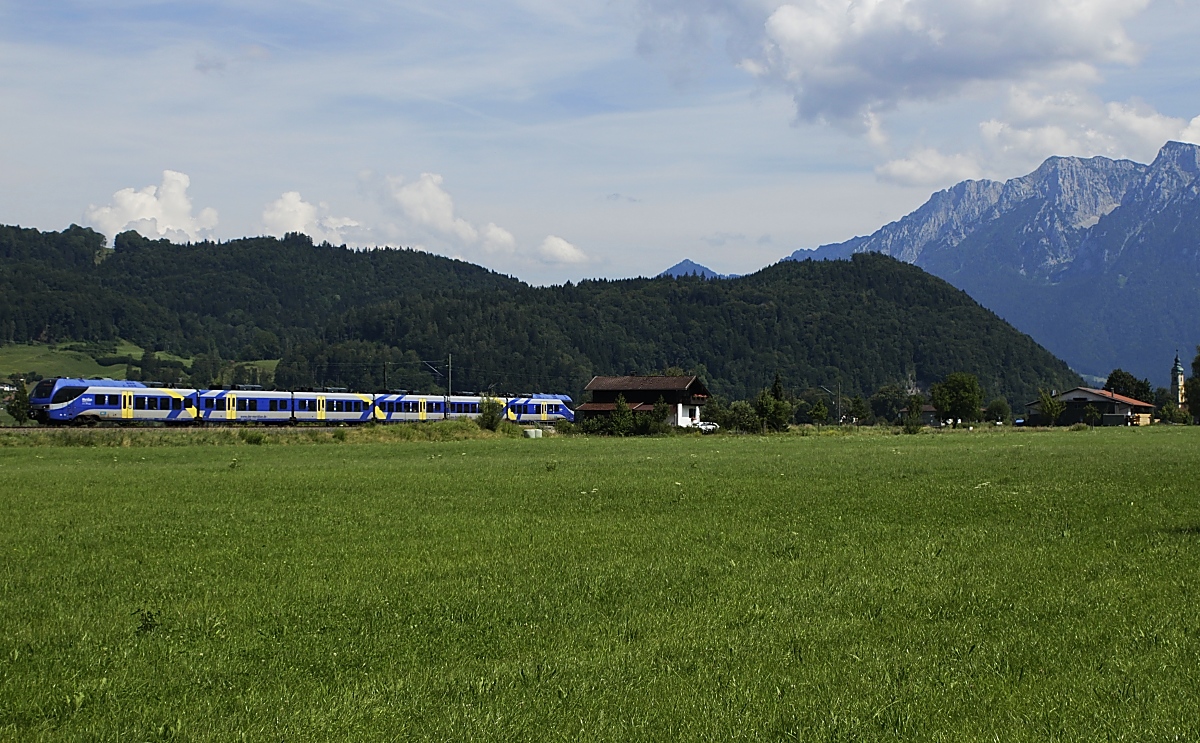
(369, 319)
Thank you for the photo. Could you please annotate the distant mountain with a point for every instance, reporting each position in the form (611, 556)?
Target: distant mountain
(373, 319)
(688, 267)
(1097, 259)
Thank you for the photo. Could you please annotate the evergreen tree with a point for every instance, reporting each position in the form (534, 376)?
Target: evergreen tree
(912, 415)
(819, 412)
(621, 421)
(18, 406)
(858, 409)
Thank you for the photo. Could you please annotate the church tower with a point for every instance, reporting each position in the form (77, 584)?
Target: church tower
(1177, 393)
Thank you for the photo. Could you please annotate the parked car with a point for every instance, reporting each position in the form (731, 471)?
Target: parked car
(707, 426)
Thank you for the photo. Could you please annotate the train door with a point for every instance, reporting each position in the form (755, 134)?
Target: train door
(422, 409)
(320, 407)
(230, 406)
(542, 408)
(126, 404)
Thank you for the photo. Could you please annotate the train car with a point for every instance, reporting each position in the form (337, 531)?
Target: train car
(403, 406)
(245, 405)
(538, 409)
(333, 407)
(464, 406)
(57, 401)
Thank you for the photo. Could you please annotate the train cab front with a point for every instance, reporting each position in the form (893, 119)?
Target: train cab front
(39, 400)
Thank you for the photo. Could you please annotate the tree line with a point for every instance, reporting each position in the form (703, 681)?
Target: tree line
(393, 318)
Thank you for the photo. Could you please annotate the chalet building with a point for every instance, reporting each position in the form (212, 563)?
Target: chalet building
(1114, 409)
(684, 396)
(929, 415)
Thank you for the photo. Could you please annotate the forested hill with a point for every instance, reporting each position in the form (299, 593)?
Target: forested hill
(338, 316)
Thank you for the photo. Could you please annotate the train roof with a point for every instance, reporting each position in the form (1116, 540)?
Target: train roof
(69, 382)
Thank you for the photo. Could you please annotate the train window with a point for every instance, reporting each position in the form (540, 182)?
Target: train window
(99, 401)
(139, 403)
(164, 403)
(176, 403)
(43, 389)
(241, 404)
(208, 403)
(220, 403)
(254, 406)
(67, 394)
(272, 406)
(188, 403)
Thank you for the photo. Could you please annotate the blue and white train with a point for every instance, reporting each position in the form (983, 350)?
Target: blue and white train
(85, 401)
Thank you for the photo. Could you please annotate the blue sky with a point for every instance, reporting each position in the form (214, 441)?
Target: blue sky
(559, 140)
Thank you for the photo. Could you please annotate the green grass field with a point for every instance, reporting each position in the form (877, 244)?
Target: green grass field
(51, 361)
(950, 587)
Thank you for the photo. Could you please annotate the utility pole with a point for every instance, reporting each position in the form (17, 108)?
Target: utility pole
(450, 377)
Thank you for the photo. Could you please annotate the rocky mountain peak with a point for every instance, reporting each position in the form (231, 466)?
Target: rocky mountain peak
(1176, 167)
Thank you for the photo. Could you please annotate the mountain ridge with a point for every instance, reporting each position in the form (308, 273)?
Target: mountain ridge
(1054, 252)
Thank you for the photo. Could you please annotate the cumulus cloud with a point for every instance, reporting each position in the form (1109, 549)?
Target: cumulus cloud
(852, 63)
(428, 205)
(1038, 124)
(928, 167)
(429, 209)
(291, 213)
(845, 60)
(554, 249)
(155, 212)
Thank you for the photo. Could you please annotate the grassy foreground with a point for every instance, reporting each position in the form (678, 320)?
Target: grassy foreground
(1011, 586)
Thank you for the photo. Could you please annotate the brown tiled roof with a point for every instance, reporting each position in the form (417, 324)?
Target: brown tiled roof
(617, 384)
(1100, 393)
(608, 407)
(1115, 396)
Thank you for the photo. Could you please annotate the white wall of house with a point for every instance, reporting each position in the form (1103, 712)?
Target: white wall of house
(685, 416)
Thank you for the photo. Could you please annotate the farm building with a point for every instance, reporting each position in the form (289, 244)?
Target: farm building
(684, 396)
(1114, 409)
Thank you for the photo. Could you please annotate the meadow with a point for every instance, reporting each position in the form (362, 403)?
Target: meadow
(940, 587)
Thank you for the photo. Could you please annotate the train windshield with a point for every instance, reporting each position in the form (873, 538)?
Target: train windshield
(43, 389)
(67, 394)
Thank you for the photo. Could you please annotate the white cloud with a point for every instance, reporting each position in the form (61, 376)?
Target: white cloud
(843, 60)
(1039, 124)
(1192, 132)
(428, 205)
(428, 208)
(154, 212)
(554, 249)
(928, 167)
(291, 213)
